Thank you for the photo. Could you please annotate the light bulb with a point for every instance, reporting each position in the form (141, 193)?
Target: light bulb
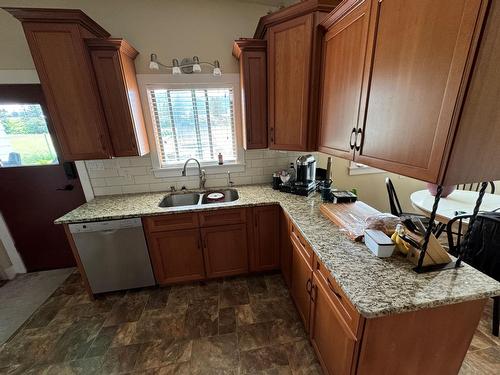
(217, 72)
(153, 63)
(196, 64)
(175, 67)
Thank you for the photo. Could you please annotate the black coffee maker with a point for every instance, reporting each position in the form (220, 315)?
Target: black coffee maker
(305, 183)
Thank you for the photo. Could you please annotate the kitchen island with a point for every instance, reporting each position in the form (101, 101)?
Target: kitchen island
(408, 322)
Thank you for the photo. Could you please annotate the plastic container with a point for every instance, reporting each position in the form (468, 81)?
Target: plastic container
(379, 243)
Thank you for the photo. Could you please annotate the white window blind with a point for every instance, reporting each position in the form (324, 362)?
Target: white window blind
(197, 123)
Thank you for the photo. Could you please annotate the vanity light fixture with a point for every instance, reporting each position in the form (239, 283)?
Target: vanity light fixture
(186, 66)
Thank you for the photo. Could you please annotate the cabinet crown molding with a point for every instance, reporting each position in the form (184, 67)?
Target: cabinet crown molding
(293, 11)
(248, 44)
(113, 44)
(58, 15)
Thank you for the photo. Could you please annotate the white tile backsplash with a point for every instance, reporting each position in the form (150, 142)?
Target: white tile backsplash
(135, 174)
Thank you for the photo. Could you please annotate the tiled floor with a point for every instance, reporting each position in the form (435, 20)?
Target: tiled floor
(243, 325)
(239, 325)
(21, 297)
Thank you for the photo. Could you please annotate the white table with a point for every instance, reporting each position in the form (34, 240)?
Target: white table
(459, 200)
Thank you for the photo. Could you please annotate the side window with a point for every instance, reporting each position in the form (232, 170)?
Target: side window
(24, 135)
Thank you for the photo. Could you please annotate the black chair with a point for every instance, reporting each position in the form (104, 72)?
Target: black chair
(397, 211)
(480, 260)
(475, 186)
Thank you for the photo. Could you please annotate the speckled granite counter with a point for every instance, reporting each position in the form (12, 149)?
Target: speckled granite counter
(376, 286)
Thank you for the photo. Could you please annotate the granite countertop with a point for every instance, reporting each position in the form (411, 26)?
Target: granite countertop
(375, 286)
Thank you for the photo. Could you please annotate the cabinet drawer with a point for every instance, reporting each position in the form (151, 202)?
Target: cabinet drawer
(176, 221)
(222, 217)
(302, 244)
(340, 300)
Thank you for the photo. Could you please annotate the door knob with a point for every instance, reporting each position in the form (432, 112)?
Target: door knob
(68, 187)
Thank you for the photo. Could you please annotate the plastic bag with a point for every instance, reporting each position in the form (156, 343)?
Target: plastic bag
(384, 222)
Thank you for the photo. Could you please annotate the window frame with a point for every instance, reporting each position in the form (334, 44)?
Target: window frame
(189, 81)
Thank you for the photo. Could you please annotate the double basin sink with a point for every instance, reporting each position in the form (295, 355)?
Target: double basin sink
(198, 198)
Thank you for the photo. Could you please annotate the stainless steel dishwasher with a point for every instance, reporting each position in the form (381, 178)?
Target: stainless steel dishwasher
(114, 254)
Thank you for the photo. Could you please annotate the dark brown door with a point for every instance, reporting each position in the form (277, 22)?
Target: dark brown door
(420, 51)
(301, 284)
(225, 249)
(330, 336)
(344, 50)
(176, 255)
(289, 63)
(266, 253)
(35, 187)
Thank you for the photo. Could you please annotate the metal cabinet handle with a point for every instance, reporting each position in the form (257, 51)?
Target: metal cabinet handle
(356, 145)
(271, 133)
(308, 286)
(351, 142)
(314, 293)
(332, 289)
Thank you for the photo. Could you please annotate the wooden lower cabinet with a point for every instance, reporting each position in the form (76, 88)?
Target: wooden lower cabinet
(331, 338)
(301, 283)
(265, 251)
(285, 248)
(176, 256)
(225, 250)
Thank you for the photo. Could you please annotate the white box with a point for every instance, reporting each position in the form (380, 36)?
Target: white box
(379, 243)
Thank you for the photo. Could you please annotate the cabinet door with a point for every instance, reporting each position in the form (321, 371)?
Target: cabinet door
(225, 250)
(113, 62)
(266, 238)
(344, 50)
(301, 284)
(419, 53)
(285, 248)
(176, 255)
(289, 65)
(331, 338)
(253, 78)
(65, 71)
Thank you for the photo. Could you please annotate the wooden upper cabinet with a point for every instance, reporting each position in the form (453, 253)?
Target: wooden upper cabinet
(344, 49)
(89, 83)
(420, 52)
(266, 251)
(427, 91)
(56, 42)
(289, 58)
(113, 62)
(251, 54)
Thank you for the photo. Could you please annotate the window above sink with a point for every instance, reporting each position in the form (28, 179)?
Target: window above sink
(193, 116)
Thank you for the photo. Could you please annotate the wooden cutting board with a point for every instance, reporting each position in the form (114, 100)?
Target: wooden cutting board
(349, 216)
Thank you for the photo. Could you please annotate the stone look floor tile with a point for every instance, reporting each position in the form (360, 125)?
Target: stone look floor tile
(239, 325)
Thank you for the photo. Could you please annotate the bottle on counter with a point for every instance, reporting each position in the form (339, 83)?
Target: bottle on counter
(221, 159)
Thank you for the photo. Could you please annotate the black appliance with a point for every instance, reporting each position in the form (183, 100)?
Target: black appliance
(305, 182)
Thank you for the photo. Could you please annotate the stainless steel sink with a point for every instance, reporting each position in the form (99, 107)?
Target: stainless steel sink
(230, 195)
(195, 199)
(181, 199)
